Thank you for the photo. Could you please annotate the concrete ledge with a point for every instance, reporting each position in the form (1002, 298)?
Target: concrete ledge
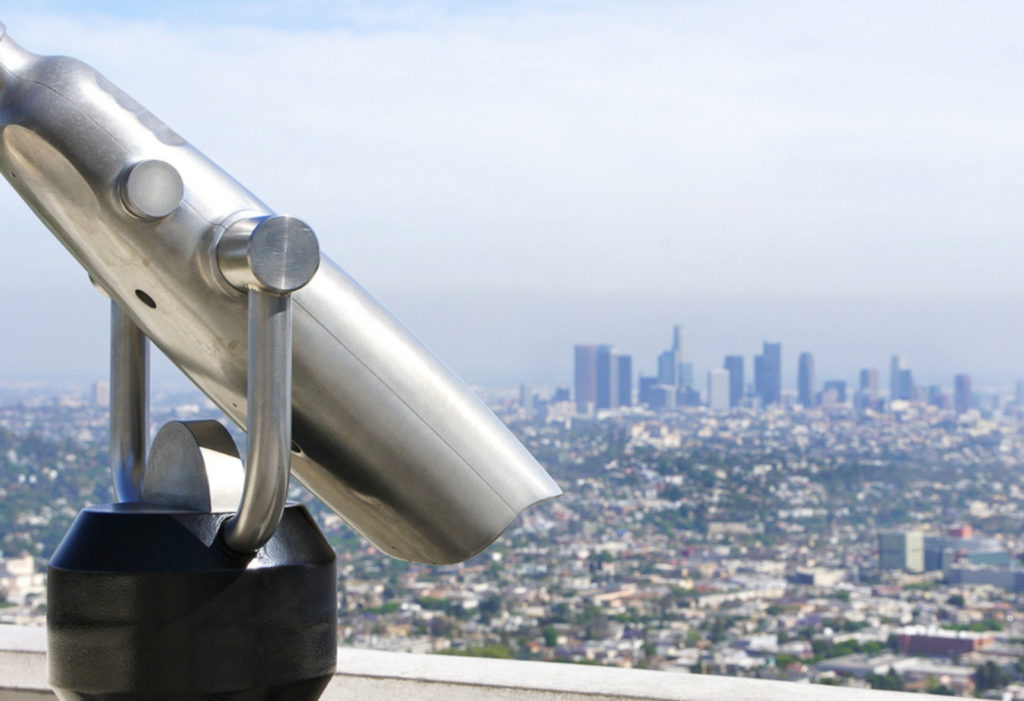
(23, 664)
(369, 675)
(376, 676)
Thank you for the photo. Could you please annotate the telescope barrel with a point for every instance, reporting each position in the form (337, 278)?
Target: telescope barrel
(383, 432)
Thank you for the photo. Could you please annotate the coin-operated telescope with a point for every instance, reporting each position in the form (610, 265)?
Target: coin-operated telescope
(201, 582)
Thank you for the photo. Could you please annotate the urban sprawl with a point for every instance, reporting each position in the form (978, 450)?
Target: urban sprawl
(869, 538)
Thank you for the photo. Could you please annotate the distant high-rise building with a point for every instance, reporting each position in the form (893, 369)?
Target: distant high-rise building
(607, 378)
(673, 369)
(869, 382)
(645, 393)
(718, 389)
(525, 396)
(901, 550)
(678, 342)
(941, 551)
(867, 389)
(905, 384)
(1018, 395)
(734, 364)
(101, 393)
(685, 374)
(771, 374)
(624, 395)
(962, 392)
(668, 368)
(901, 380)
(585, 372)
(805, 380)
(604, 378)
(688, 396)
(836, 388)
(561, 395)
(662, 397)
(895, 365)
(759, 377)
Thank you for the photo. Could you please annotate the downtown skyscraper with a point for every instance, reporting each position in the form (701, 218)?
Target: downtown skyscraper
(607, 377)
(718, 389)
(585, 374)
(805, 380)
(603, 378)
(962, 392)
(734, 364)
(768, 374)
(868, 383)
(867, 388)
(672, 386)
(901, 380)
(673, 368)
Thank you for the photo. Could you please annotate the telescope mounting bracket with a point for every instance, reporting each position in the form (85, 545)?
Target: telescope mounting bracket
(268, 258)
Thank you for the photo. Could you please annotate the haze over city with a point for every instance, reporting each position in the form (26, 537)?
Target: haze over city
(514, 178)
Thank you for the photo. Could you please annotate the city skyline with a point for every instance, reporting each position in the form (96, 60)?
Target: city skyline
(674, 384)
(494, 352)
(782, 533)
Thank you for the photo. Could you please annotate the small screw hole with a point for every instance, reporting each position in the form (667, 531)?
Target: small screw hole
(296, 448)
(146, 299)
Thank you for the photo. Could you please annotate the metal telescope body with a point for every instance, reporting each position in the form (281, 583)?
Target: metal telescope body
(384, 433)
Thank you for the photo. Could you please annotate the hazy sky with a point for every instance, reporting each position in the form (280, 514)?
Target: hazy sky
(514, 177)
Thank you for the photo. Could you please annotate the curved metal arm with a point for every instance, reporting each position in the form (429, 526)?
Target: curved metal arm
(129, 404)
(268, 423)
(279, 256)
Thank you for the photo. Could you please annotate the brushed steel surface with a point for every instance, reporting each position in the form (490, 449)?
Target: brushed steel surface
(385, 434)
(270, 261)
(269, 423)
(129, 404)
(151, 189)
(276, 254)
(194, 465)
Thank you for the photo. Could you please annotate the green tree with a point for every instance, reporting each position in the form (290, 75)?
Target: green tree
(889, 681)
(990, 676)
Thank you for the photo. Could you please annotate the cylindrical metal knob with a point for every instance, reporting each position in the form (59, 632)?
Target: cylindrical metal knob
(280, 254)
(152, 189)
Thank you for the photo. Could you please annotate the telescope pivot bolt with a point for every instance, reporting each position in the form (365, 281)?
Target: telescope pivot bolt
(151, 189)
(280, 255)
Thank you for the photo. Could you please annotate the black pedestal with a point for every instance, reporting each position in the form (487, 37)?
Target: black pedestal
(144, 602)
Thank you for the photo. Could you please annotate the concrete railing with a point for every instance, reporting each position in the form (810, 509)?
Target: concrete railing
(368, 675)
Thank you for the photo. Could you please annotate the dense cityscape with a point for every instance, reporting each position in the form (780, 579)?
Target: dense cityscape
(812, 490)
(604, 380)
(867, 538)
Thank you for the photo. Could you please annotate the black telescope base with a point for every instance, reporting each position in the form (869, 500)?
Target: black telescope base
(144, 602)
